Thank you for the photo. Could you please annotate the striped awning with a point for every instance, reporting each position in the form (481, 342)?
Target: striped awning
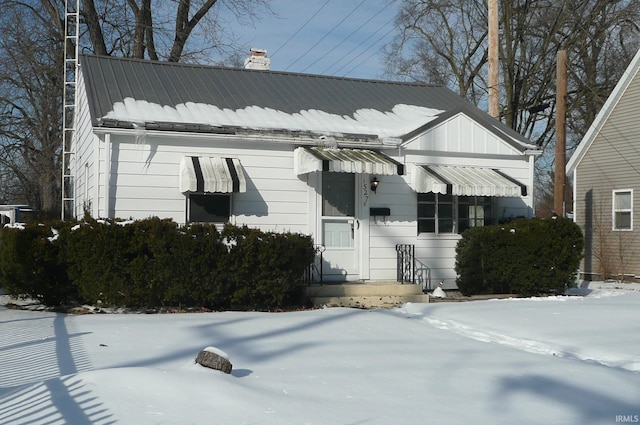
(208, 174)
(343, 160)
(465, 181)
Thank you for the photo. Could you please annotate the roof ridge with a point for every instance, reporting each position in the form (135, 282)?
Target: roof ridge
(243, 70)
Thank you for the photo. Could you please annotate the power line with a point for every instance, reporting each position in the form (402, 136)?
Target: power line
(300, 29)
(364, 61)
(326, 35)
(349, 36)
(358, 46)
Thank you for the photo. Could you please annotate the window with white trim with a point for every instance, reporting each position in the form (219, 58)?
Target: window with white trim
(446, 213)
(622, 201)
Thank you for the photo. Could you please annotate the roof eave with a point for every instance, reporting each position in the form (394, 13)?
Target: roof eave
(604, 114)
(283, 135)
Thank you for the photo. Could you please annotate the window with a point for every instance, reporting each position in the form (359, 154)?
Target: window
(338, 209)
(452, 214)
(338, 194)
(623, 209)
(209, 208)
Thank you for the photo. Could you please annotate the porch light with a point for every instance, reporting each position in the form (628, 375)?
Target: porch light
(374, 184)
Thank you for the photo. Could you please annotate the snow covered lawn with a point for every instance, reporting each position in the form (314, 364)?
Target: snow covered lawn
(561, 360)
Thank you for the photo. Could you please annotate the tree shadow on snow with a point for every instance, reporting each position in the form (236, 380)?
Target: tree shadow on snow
(590, 406)
(43, 385)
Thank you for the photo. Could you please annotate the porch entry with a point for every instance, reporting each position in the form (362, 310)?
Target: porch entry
(340, 226)
(338, 180)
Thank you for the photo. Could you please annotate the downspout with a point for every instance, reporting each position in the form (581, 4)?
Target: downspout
(574, 190)
(107, 172)
(531, 200)
(95, 202)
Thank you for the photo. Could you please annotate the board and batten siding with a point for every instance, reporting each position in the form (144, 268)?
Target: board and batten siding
(611, 163)
(460, 134)
(144, 180)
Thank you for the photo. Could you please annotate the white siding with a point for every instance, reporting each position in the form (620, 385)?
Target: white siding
(460, 134)
(435, 254)
(83, 161)
(144, 180)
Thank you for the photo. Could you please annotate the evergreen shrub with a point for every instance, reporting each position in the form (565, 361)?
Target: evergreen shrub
(264, 268)
(32, 263)
(153, 263)
(525, 257)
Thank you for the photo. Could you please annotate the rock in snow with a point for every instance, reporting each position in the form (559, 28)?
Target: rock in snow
(214, 358)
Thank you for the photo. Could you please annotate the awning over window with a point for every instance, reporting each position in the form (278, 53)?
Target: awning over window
(206, 174)
(465, 181)
(342, 160)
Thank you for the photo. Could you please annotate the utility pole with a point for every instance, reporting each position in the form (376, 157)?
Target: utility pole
(561, 133)
(494, 80)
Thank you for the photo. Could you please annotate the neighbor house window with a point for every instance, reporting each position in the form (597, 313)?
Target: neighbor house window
(209, 208)
(439, 213)
(623, 209)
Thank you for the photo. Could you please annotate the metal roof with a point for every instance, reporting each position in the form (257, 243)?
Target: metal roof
(110, 80)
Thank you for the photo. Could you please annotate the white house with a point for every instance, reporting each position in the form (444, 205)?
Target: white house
(365, 167)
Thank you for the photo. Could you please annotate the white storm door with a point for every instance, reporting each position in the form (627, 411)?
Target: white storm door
(339, 227)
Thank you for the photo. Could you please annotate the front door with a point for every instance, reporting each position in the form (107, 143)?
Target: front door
(340, 228)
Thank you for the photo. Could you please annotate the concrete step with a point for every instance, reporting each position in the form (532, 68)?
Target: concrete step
(363, 289)
(369, 301)
(366, 295)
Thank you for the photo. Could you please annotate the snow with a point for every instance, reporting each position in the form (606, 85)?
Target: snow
(20, 226)
(55, 233)
(558, 360)
(401, 120)
(216, 350)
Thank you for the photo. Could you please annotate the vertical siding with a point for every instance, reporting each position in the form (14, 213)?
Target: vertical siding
(611, 163)
(460, 134)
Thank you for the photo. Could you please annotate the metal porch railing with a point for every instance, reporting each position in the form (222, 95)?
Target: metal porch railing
(314, 272)
(406, 263)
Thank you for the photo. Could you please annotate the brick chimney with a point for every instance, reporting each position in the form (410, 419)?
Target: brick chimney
(257, 59)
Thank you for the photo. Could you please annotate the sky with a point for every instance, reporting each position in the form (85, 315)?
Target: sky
(327, 37)
(561, 360)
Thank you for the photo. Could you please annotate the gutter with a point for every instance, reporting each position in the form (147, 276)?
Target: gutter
(295, 137)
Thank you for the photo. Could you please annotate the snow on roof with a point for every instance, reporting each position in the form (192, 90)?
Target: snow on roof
(384, 124)
(126, 93)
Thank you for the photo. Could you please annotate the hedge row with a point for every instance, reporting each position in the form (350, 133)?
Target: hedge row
(152, 263)
(525, 257)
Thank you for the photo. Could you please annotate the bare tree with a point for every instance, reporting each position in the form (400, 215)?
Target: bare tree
(177, 30)
(32, 37)
(441, 42)
(444, 42)
(30, 116)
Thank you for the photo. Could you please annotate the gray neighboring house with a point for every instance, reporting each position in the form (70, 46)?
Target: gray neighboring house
(374, 171)
(606, 184)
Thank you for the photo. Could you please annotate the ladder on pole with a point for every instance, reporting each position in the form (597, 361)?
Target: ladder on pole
(71, 39)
